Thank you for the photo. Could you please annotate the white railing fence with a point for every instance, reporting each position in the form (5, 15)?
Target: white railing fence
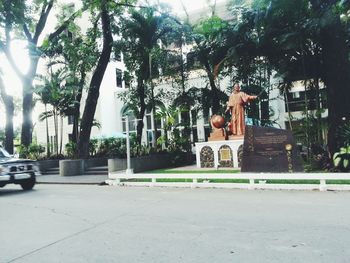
(256, 180)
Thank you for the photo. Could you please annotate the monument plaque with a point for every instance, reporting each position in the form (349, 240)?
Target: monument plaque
(268, 149)
(225, 155)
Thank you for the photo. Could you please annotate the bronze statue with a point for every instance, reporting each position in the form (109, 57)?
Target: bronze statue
(235, 105)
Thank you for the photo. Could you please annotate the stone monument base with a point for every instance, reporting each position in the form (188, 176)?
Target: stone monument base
(219, 154)
(217, 135)
(236, 137)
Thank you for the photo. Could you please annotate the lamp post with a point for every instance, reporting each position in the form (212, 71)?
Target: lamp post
(128, 161)
(128, 170)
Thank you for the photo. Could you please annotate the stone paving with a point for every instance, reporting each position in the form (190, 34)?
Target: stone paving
(78, 179)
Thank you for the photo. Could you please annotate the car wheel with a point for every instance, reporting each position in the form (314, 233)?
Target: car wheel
(28, 184)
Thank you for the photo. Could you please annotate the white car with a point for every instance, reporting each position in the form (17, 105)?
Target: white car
(17, 171)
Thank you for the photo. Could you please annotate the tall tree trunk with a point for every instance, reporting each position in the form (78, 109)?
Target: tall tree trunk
(154, 137)
(94, 89)
(9, 108)
(61, 133)
(27, 104)
(214, 90)
(337, 82)
(335, 69)
(318, 111)
(48, 152)
(27, 123)
(27, 79)
(307, 119)
(141, 114)
(285, 93)
(76, 111)
(56, 131)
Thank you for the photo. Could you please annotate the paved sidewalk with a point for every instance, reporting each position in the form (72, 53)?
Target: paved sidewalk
(78, 179)
(94, 179)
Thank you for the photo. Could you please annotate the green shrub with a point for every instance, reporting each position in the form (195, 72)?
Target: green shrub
(22, 151)
(70, 149)
(93, 144)
(33, 151)
(341, 159)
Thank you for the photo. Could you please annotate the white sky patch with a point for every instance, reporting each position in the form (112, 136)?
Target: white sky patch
(190, 5)
(13, 84)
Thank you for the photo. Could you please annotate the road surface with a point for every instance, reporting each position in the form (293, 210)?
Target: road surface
(88, 223)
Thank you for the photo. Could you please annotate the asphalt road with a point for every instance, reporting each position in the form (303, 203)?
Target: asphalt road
(86, 223)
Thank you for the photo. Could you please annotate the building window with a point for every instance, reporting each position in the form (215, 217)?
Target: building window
(149, 121)
(119, 78)
(295, 95)
(70, 119)
(194, 135)
(132, 123)
(194, 117)
(150, 138)
(185, 117)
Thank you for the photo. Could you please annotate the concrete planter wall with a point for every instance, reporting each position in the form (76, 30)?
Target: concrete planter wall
(79, 166)
(93, 162)
(144, 163)
(72, 167)
(116, 164)
(45, 165)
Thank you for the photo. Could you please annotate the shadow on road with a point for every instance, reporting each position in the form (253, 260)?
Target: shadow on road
(6, 192)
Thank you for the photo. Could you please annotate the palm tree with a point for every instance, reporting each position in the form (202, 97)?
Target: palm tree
(56, 91)
(142, 32)
(211, 51)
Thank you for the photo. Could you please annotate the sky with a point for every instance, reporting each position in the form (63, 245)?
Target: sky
(189, 4)
(12, 83)
(19, 51)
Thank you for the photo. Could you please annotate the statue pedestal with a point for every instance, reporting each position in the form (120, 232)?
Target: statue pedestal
(219, 154)
(217, 135)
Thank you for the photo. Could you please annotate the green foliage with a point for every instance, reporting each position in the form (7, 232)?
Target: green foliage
(343, 134)
(141, 31)
(33, 151)
(70, 149)
(211, 28)
(341, 159)
(93, 146)
(112, 147)
(141, 150)
(177, 142)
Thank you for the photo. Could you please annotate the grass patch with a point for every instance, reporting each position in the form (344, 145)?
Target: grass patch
(176, 180)
(283, 181)
(236, 181)
(141, 180)
(337, 181)
(169, 171)
(183, 180)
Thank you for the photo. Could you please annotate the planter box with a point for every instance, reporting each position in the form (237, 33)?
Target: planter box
(79, 166)
(94, 162)
(146, 163)
(116, 164)
(72, 167)
(45, 165)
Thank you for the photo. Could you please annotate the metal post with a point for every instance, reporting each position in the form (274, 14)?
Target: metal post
(128, 163)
